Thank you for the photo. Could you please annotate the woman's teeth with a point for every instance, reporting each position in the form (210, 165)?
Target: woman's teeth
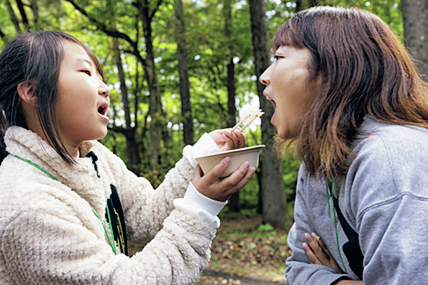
(271, 100)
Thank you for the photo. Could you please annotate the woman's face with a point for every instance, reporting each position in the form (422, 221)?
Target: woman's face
(83, 98)
(288, 88)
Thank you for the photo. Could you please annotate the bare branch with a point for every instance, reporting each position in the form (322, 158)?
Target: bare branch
(111, 32)
(13, 17)
(23, 14)
(155, 10)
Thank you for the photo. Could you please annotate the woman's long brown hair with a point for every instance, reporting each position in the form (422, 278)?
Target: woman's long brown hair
(365, 70)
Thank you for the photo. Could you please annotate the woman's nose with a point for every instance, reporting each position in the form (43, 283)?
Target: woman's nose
(104, 90)
(264, 78)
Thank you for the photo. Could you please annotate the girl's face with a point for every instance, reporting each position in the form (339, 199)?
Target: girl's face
(83, 98)
(288, 88)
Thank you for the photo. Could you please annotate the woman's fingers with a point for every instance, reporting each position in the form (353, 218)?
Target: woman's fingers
(311, 256)
(313, 243)
(321, 244)
(321, 253)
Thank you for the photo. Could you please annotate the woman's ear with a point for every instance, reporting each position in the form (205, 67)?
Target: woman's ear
(26, 91)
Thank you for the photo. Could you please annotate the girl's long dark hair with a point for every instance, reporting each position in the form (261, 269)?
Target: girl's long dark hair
(365, 70)
(35, 58)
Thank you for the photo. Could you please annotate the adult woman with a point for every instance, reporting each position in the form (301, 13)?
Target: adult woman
(348, 94)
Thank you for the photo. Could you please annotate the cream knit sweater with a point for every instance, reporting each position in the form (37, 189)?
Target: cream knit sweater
(49, 234)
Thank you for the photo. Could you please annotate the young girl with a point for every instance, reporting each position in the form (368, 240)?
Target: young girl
(68, 205)
(348, 94)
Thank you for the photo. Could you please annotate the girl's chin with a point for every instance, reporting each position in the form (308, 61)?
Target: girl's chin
(99, 135)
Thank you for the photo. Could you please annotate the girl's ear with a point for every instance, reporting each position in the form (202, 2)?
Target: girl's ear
(26, 91)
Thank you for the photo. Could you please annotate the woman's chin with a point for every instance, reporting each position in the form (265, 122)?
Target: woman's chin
(283, 134)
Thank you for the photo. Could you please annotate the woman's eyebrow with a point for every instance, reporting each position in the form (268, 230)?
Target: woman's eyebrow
(85, 60)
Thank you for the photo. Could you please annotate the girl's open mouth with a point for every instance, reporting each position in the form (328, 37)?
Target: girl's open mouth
(103, 109)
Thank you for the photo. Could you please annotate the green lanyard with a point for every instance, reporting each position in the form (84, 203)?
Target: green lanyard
(108, 213)
(335, 223)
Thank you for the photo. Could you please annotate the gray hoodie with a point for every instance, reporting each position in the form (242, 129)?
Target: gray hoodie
(384, 198)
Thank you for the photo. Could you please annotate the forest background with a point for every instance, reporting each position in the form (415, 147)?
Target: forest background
(180, 68)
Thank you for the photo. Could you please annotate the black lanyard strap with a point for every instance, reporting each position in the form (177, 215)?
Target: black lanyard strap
(352, 247)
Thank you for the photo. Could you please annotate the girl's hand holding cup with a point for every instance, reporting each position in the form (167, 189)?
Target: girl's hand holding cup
(209, 184)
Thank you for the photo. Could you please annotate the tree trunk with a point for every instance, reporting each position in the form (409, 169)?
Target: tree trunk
(183, 71)
(275, 206)
(313, 3)
(133, 158)
(298, 6)
(415, 23)
(155, 108)
(113, 133)
(234, 204)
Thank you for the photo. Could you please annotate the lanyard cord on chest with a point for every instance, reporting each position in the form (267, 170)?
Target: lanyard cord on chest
(335, 222)
(111, 242)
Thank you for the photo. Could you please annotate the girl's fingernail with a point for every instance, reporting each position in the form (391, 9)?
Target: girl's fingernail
(314, 234)
(226, 160)
(304, 244)
(246, 165)
(306, 235)
(252, 170)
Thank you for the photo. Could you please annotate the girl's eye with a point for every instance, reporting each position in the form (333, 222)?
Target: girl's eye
(87, 72)
(277, 57)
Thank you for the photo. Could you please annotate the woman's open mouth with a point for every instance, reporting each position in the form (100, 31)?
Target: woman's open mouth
(270, 99)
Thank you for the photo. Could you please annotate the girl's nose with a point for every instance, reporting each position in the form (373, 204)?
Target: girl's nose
(104, 90)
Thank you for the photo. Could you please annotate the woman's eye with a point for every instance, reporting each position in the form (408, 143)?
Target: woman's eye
(277, 57)
(87, 72)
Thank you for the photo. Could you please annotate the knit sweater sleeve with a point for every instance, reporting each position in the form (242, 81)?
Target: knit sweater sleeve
(53, 238)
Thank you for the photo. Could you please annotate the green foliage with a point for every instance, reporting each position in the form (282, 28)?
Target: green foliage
(265, 231)
(207, 52)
